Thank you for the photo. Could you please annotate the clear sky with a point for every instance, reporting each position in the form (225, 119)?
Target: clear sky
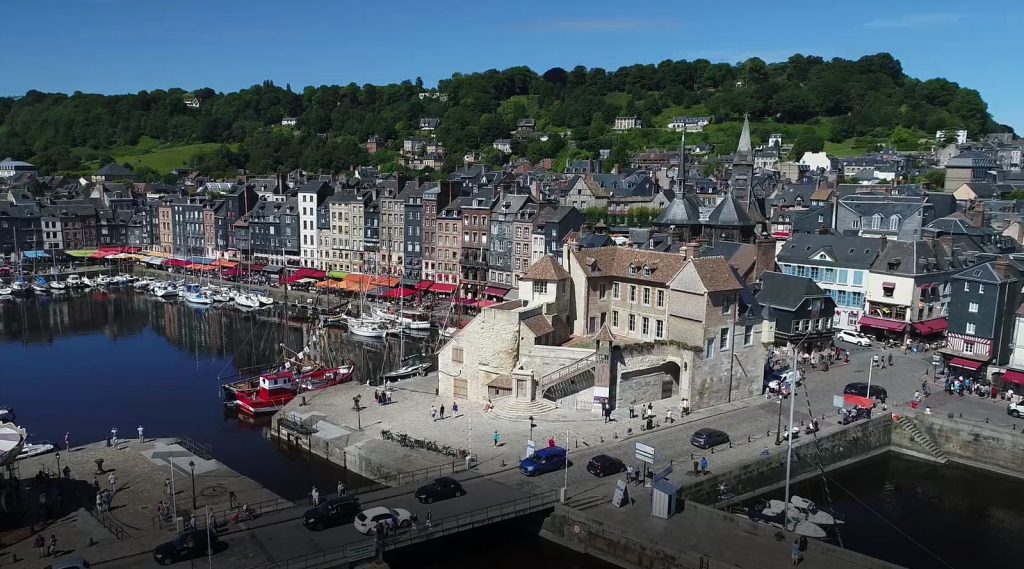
(117, 46)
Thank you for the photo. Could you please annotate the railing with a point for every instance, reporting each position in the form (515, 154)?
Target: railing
(395, 479)
(555, 377)
(108, 522)
(221, 512)
(204, 452)
(419, 532)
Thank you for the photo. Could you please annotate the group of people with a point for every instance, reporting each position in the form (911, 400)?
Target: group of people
(46, 548)
(961, 386)
(879, 361)
(438, 414)
(382, 397)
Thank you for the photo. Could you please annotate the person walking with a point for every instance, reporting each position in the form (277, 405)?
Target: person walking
(430, 516)
(52, 550)
(441, 415)
(99, 501)
(890, 358)
(315, 495)
(433, 413)
(668, 416)
(40, 544)
(67, 472)
(67, 440)
(455, 408)
(167, 488)
(794, 552)
(704, 465)
(113, 435)
(192, 520)
(632, 410)
(497, 438)
(112, 479)
(142, 437)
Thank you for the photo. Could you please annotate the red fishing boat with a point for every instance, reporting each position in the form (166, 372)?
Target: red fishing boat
(269, 392)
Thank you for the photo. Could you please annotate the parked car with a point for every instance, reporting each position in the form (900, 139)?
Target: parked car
(860, 389)
(189, 545)
(366, 520)
(333, 512)
(853, 337)
(602, 465)
(69, 563)
(1015, 409)
(441, 489)
(707, 437)
(544, 460)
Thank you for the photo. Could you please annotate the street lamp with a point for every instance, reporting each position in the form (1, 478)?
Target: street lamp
(57, 456)
(192, 467)
(532, 425)
(357, 407)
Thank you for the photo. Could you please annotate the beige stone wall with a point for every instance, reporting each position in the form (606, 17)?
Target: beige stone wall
(490, 339)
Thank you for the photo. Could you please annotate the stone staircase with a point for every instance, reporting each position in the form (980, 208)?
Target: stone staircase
(512, 409)
(922, 439)
(568, 380)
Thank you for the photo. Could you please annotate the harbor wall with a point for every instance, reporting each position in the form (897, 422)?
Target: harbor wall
(972, 443)
(836, 450)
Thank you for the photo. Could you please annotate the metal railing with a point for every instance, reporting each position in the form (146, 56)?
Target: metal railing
(108, 522)
(222, 512)
(201, 450)
(420, 532)
(396, 479)
(555, 377)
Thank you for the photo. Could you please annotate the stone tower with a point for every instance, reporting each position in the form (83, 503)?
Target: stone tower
(743, 168)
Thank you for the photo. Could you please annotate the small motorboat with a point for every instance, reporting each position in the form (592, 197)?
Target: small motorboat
(6, 291)
(198, 298)
(12, 440)
(73, 281)
(411, 366)
(21, 287)
(264, 299)
(247, 301)
(87, 282)
(34, 449)
(166, 292)
(367, 328)
(58, 286)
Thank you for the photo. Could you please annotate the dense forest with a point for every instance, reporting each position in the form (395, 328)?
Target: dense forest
(838, 100)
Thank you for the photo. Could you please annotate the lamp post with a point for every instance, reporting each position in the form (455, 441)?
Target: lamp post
(358, 408)
(57, 456)
(532, 425)
(192, 467)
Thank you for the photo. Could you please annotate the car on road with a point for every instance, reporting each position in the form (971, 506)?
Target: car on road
(189, 545)
(853, 338)
(706, 437)
(366, 520)
(69, 563)
(544, 460)
(441, 489)
(333, 512)
(602, 465)
(860, 389)
(1015, 409)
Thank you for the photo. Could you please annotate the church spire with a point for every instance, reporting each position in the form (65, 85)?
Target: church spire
(744, 145)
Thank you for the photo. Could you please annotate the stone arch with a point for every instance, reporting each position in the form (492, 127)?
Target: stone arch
(653, 382)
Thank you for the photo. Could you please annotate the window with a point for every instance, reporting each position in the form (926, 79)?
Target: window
(855, 224)
(894, 223)
(748, 335)
(659, 329)
(632, 269)
(661, 298)
(971, 328)
(632, 323)
(887, 291)
(709, 352)
(876, 221)
(647, 296)
(967, 286)
(981, 288)
(632, 293)
(615, 290)
(972, 307)
(456, 355)
(723, 339)
(858, 278)
(645, 325)
(540, 287)
(602, 291)
(725, 304)
(615, 318)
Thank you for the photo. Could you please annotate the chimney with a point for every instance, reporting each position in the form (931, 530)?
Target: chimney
(691, 250)
(946, 241)
(976, 214)
(764, 257)
(1002, 265)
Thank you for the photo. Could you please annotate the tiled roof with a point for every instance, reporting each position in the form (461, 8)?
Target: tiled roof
(503, 381)
(616, 261)
(716, 274)
(539, 325)
(545, 269)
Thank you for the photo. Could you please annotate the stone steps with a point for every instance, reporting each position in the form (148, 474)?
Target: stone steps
(511, 409)
(922, 439)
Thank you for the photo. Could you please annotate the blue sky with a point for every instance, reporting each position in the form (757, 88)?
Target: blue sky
(116, 46)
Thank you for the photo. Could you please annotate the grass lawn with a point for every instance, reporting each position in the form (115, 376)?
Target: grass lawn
(162, 157)
(842, 149)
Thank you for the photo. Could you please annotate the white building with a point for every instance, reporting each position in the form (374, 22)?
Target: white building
(289, 121)
(816, 161)
(688, 124)
(627, 123)
(309, 235)
(10, 167)
(503, 144)
(959, 136)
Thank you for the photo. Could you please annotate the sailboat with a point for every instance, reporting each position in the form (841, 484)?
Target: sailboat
(408, 366)
(195, 296)
(21, 287)
(40, 285)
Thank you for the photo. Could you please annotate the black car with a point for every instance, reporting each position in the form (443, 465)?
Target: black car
(860, 389)
(602, 465)
(189, 545)
(708, 437)
(333, 512)
(440, 489)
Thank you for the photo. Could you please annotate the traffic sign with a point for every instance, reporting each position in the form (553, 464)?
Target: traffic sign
(645, 453)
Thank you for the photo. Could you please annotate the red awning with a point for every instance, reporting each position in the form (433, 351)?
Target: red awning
(424, 285)
(496, 291)
(931, 326)
(442, 288)
(174, 262)
(399, 293)
(858, 401)
(965, 363)
(1012, 376)
(306, 273)
(883, 324)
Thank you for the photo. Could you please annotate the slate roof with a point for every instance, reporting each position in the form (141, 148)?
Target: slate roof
(545, 269)
(910, 258)
(741, 256)
(993, 272)
(848, 252)
(867, 205)
(787, 292)
(684, 210)
(716, 274)
(729, 212)
(971, 159)
(594, 240)
(113, 169)
(955, 224)
(615, 262)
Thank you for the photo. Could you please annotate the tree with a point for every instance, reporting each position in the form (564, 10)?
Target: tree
(808, 142)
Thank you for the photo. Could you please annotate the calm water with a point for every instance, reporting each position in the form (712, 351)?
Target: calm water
(90, 362)
(919, 514)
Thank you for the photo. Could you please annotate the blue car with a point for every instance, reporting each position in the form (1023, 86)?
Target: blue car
(544, 460)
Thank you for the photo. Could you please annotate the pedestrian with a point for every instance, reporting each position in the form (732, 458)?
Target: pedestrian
(142, 438)
(40, 544)
(42, 503)
(890, 359)
(112, 479)
(874, 360)
(668, 416)
(67, 440)
(167, 488)
(927, 410)
(455, 408)
(441, 415)
(67, 472)
(99, 501)
(108, 497)
(342, 490)
(794, 552)
(629, 473)
(315, 495)
(431, 514)
(917, 395)
(113, 435)
(551, 442)
(53, 545)
(497, 437)
(704, 465)
(192, 520)
(433, 413)
(686, 406)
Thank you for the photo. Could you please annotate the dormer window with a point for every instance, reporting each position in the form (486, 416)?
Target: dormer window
(876, 221)
(647, 271)
(894, 223)
(632, 269)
